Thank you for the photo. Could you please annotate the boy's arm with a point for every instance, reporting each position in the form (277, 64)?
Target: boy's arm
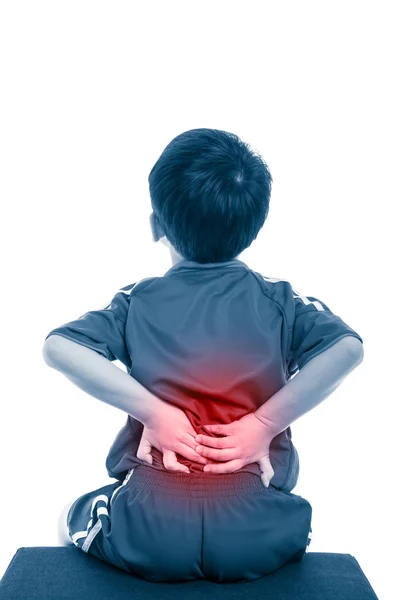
(314, 382)
(246, 442)
(171, 430)
(99, 377)
(322, 348)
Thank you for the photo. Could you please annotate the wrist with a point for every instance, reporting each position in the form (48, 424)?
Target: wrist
(272, 427)
(150, 408)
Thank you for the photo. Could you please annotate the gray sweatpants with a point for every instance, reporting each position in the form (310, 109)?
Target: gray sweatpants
(169, 526)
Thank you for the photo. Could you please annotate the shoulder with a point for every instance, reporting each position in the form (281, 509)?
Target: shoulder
(133, 288)
(120, 301)
(277, 289)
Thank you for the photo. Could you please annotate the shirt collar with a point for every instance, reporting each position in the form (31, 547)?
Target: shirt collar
(186, 265)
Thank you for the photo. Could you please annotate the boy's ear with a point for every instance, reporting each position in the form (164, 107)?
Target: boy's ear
(155, 228)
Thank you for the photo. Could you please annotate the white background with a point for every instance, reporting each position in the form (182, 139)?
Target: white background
(91, 93)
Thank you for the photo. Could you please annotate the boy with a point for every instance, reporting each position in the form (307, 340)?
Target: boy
(210, 348)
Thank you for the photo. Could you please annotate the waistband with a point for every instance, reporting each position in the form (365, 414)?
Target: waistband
(195, 484)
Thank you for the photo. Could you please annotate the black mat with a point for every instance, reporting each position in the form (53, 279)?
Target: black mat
(62, 573)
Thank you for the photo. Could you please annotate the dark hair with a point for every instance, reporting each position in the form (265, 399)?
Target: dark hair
(210, 193)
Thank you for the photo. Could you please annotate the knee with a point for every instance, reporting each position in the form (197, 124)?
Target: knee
(62, 529)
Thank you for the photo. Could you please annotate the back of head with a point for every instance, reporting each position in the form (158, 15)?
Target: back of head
(210, 194)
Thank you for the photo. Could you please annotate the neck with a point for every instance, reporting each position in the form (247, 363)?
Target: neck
(175, 257)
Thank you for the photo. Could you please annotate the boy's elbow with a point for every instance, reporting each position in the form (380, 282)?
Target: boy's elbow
(356, 348)
(49, 349)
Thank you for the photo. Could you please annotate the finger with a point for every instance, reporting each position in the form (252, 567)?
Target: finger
(224, 454)
(267, 472)
(265, 479)
(171, 462)
(228, 467)
(226, 442)
(144, 451)
(224, 429)
(191, 454)
(265, 466)
(189, 440)
(188, 436)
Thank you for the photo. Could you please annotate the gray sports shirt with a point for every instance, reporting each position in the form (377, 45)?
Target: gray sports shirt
(215, 339)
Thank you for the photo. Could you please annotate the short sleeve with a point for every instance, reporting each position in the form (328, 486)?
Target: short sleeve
(315, 328)
(102, 330)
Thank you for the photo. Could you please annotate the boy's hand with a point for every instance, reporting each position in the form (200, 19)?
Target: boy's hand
(246, 440)
(170, 460)
(170, 431)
